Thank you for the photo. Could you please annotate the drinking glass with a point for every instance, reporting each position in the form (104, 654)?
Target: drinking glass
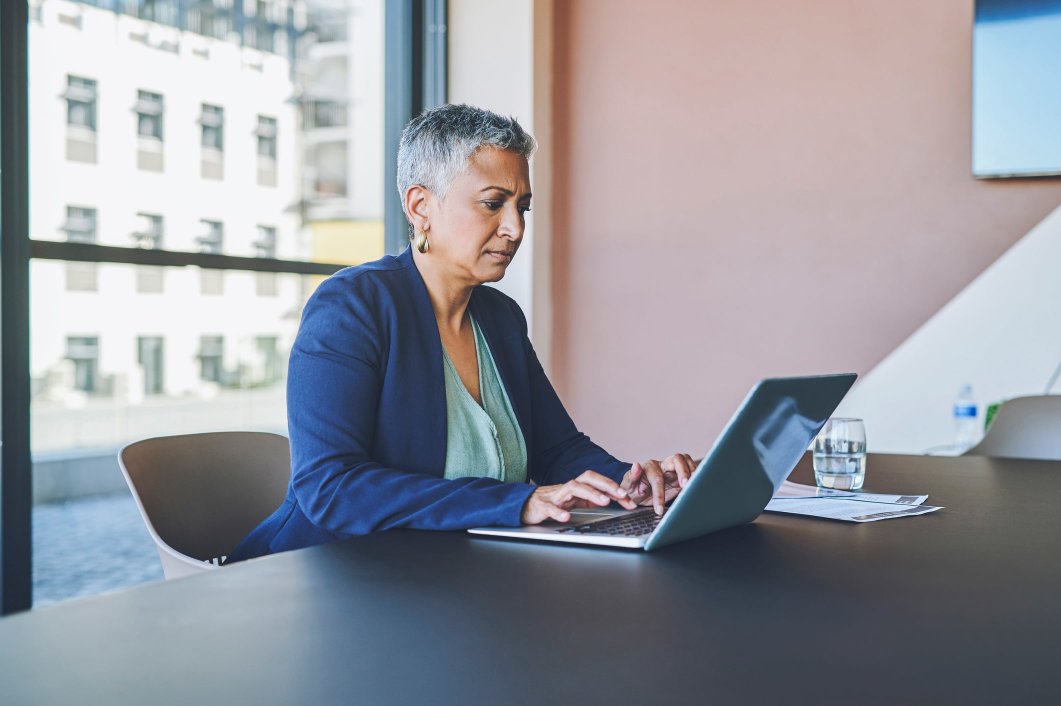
(840, 454)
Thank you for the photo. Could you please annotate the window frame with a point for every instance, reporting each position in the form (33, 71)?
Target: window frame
(415, 73)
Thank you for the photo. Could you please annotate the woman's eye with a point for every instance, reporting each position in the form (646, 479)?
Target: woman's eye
(492, 205)
(524, 209)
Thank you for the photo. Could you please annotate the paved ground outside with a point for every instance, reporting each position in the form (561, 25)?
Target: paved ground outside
(90, 546)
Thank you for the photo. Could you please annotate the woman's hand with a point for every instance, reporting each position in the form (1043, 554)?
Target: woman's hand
(658, 482)
(591, 489)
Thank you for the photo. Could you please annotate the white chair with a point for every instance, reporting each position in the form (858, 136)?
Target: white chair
(1024, 427)
(200, 494)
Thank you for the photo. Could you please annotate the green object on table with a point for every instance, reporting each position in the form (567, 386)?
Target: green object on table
(989, 415)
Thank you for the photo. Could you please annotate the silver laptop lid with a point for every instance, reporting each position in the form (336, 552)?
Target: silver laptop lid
(752, 456)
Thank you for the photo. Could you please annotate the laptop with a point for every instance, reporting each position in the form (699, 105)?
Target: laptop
(752, 456)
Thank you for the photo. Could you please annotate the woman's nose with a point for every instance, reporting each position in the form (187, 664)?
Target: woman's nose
(511, 224)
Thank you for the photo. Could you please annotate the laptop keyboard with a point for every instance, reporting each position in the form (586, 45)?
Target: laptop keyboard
(632, 525)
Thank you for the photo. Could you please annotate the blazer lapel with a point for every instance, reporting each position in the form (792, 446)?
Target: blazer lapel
(426, 366)
(506, 346)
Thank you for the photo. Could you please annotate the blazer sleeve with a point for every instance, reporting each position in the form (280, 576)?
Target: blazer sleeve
(561, 452)
(334, 382)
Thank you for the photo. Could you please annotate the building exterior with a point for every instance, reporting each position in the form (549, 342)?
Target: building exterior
(163, 125)
(340, 74)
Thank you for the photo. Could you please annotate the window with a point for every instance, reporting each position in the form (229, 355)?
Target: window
(212, 358)
(161, 11)
(324, 114)
(213, 141)
(265, 246)
(213, 122)
(83, 352)
(213, 237)
(80, 103)
(149, 356)
(80, 227)
(206, 18)
(260, 31)
(268, 360)
(211, 242)
(80, 224)
(266, 133)
(149, 115)
(146, 80)
(148, 235)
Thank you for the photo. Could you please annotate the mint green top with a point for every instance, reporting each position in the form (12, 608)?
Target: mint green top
(482, 442)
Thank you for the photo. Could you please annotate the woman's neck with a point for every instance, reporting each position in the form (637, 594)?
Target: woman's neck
(449, 296)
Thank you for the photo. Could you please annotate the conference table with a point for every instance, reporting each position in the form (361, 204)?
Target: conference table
(958, 606)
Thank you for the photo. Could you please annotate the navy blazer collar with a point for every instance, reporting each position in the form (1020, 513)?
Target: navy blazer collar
(500, 328)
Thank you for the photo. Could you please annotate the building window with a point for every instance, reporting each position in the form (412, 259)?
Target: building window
(211, 242)
(265, 245)
(83, 351)
(80, 103)
(80, 119)
(149, 235)
(149, 355)
(266, 132)
(212, 121)
(265, 283)
(213, 238)
(149, 114)
(149, 280)
(161, 11)
(212, 358)
(149, 110)
(268, 358)
(80, 227)
(206, 18)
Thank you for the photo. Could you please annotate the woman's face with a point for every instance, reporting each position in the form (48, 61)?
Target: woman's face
(475, 231)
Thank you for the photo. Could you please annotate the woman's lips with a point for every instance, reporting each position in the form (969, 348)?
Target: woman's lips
(501, 256)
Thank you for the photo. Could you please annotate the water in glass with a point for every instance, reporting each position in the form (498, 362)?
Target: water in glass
(840, 455)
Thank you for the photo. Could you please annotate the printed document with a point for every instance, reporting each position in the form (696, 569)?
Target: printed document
(797, 499)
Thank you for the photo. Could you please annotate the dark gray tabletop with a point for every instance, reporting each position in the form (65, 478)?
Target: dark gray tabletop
(960, 606)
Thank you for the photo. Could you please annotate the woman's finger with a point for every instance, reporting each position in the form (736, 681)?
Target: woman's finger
(575, 490)
(603, 483)
(609, 487)
(632, 477)
(654, 475)
(684, 468)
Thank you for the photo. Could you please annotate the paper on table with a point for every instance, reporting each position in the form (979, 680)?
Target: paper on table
(798, 490)
(847, 509)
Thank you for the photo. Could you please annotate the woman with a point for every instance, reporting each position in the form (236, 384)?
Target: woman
(415, 398)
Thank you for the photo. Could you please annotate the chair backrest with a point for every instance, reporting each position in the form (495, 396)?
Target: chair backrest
(1024, 427)
(201, 494)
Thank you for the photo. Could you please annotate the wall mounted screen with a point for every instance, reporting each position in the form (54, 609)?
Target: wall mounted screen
(1017, 88)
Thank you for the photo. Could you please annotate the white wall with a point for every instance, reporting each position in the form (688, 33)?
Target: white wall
(1001, 334)
(500, 59)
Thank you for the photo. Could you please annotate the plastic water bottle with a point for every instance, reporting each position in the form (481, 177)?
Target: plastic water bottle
(966, 426)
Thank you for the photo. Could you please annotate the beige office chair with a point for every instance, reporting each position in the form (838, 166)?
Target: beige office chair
(1024, 427)
(200, 494)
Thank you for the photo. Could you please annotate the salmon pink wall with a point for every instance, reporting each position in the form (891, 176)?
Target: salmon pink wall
(749, 188)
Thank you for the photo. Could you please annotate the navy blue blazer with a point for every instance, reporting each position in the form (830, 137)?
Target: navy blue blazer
(366, 409)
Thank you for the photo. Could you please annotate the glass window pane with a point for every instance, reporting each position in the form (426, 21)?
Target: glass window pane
(114, 366)
(241, 112)
(232, 127)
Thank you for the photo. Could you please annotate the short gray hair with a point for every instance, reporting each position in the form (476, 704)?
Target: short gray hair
(437, 144)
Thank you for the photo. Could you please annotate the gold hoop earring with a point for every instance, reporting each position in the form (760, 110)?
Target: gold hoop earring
(421, 242)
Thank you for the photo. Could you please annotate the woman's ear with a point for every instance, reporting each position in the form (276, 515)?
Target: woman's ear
(416, 199)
